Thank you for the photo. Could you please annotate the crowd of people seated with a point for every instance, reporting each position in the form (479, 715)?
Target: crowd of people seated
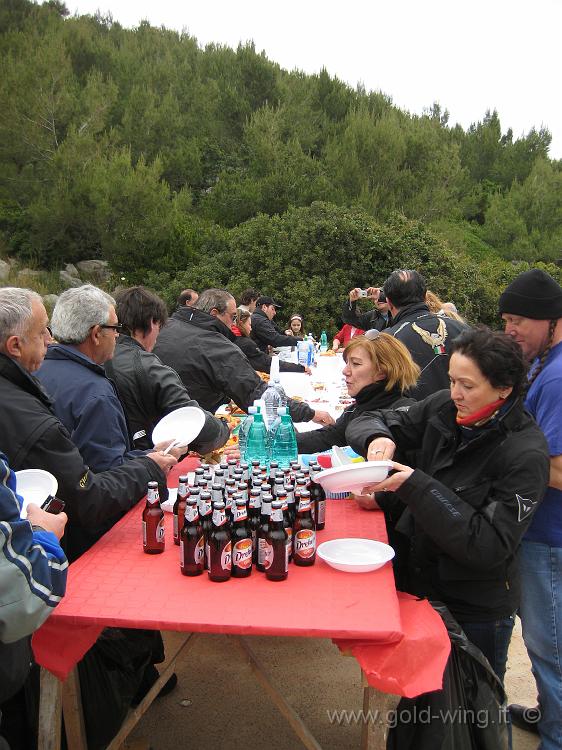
(469, 417)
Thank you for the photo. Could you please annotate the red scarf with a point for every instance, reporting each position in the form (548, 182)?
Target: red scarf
(481, 416)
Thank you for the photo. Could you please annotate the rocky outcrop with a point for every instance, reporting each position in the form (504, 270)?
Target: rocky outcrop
(98, 270)
(69, 280)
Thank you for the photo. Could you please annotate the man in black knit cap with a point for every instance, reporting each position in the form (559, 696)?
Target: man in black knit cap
(531, 307)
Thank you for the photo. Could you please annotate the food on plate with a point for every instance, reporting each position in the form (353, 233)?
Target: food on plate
(319, 386)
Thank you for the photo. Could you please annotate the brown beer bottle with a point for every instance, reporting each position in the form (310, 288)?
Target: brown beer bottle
(318, 497)
(179, 506)
(254, 508)
(266, 500)
(153, 522)
(304, 533)
(206, 516)
(276, 551)
(219, 546)
(287, 523)
(192, 541)
(241, 541)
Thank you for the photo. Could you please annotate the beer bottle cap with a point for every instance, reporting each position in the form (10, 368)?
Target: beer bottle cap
(184, 478)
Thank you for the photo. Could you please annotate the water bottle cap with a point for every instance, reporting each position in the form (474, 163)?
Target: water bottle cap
(281, 410)
(252, 410)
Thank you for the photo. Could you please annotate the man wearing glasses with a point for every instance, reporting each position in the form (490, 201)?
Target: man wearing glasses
(85, 326)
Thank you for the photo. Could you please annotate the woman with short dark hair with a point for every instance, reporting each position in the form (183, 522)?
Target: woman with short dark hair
(478, 469)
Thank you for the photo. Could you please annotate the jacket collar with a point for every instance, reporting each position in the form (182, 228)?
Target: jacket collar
(414, 310)
(203, 320)
(375, 394)
(126, 341)
(15, 374)
(261, 313)
(65, 352)
(510, 421)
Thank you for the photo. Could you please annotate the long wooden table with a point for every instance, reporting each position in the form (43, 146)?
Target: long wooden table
(116, 584)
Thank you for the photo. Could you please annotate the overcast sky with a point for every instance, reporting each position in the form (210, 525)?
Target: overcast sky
(468, 55)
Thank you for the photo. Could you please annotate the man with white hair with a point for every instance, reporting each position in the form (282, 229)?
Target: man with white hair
(33, 437)
(85, 326)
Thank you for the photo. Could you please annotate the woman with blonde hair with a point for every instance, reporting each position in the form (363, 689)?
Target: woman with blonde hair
(260, 361)
(449, 309)
(378, 371)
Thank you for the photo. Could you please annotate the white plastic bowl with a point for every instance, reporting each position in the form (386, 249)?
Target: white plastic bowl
(35, 486)
(354, 555)
(183, 424)
(353, 477)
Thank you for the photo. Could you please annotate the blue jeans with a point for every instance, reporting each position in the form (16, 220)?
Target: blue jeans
(492, 638)
(541, 617)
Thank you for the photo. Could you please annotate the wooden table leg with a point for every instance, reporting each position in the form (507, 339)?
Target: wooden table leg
(376, 711)
(136, 714)
(296, 723)
(50, 707)
(73, 713)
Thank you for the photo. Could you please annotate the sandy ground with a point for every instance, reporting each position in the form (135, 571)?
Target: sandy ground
(219, 704)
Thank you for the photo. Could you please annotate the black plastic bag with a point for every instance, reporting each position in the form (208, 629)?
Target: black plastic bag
(110, 675)
(469, 713)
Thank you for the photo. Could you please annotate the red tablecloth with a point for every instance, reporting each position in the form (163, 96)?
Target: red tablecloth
(116, 584)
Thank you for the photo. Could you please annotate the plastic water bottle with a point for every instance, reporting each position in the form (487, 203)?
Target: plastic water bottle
(284, 444)
(311, 349)
(323, 342)
(256, 442)
(302, 352)
(245, 428)
(274, 396)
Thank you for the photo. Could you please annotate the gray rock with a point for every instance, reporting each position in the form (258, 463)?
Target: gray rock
(69, 281)
(71, 269)
(94, 269)
(4, 270)
(50, 300)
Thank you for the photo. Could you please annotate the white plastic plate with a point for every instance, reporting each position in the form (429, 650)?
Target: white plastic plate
(355, 555)
(35, 486)
(182, 424)
(353, 477)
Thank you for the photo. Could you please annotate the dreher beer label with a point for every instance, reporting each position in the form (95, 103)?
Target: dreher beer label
(191, 513)
(219, 517)
(176, 524)
(144, 533)
(262, 550)
(267, 554)
(242, 554)
(152, 495)
(304, 504)
(181, 554)
(160, 531)
(199, 550)
(305, 543)
(226, 556)
(240, 512)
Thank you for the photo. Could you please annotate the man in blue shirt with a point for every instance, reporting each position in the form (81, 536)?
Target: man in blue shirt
(531, 307)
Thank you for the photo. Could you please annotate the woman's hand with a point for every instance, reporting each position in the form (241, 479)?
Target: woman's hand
(367, 502)
(393, 482)
(381, 449)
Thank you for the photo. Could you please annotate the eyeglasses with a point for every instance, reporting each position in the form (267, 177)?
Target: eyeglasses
(118, 327)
